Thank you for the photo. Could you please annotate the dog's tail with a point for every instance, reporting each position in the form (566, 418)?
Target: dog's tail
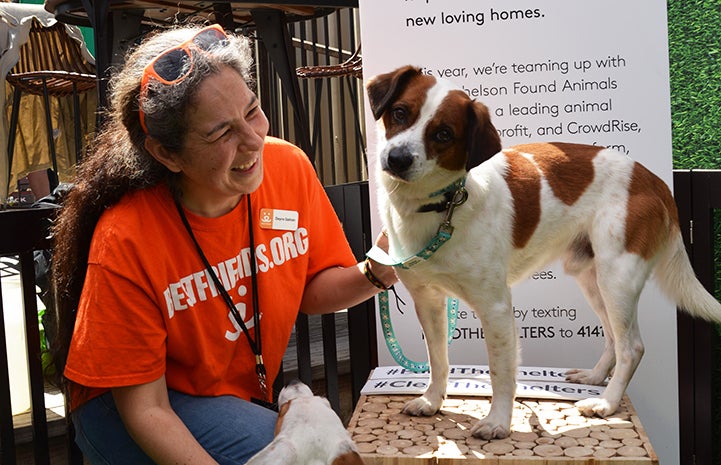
(678, 281)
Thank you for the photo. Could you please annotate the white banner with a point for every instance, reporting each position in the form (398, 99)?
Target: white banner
(593, 72)
(475, 380)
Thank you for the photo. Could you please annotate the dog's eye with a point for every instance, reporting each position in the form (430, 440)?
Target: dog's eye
(399, 115)
(443, 135)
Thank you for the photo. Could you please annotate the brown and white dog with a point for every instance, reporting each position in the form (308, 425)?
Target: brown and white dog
(611, 221)
(308, 432)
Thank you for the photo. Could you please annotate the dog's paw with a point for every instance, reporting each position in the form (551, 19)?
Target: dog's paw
(586, 377)
(422, 406)
(490, 429)
(601, 407)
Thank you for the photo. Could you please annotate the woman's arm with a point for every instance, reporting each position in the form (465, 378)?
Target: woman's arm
(337, 288)
(152, 423)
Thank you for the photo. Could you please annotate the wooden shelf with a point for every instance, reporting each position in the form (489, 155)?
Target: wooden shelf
(543, 432)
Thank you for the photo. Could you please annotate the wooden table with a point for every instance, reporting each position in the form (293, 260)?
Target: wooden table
(269, 19)
(543, 432)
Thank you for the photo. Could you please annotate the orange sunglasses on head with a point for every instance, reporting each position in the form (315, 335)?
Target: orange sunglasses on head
(172, 66)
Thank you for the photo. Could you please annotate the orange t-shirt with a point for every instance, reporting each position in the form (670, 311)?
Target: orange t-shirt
(149, 307)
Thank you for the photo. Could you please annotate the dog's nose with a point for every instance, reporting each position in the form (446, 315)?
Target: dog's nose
(399, 160)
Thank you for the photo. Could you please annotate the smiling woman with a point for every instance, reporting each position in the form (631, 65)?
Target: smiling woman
(222, 157)
(183, 254)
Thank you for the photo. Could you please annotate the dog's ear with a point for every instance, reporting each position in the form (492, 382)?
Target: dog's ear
(281, 416)
(384, 88)
(483, 138)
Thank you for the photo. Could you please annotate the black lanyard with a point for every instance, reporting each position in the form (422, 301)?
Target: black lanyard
(255, 345)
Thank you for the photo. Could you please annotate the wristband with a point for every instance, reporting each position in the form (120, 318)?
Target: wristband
(371, 277)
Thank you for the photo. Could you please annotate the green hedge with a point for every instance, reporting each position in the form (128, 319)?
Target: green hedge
(694, 28)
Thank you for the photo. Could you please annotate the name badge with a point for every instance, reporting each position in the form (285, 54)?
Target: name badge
(282, 220)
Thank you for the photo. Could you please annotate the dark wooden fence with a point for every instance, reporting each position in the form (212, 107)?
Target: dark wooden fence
(698, 195)
(333, 99)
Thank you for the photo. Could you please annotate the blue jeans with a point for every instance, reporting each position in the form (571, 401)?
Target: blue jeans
(232, 430)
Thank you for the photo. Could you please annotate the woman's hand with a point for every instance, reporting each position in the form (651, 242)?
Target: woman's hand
(338, 288)
(385, 274)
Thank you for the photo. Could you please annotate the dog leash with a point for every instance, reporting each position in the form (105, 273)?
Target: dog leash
(390, 336)
(444, 233)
